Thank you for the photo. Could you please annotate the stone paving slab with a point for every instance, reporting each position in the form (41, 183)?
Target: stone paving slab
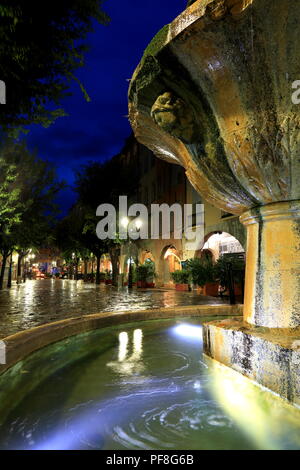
(38, 302)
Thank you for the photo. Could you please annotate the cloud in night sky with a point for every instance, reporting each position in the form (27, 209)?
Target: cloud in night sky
(97, 130)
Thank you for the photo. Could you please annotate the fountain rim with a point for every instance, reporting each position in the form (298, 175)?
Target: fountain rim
(21, 345)
(182, 22)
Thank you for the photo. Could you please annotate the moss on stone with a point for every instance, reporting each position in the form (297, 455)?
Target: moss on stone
(190, 2)
(157, 42)
(149, 70)
(149, 66)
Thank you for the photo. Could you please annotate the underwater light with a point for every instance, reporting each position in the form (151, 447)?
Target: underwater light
(188, 331)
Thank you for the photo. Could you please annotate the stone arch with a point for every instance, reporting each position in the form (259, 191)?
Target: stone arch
(219, 243)
(169, 262)
(230, 225)
(105, 263)
(206, 253)
(146, 255)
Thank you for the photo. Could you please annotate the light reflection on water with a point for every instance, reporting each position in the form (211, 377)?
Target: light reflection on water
(42, 301)
(150, 389)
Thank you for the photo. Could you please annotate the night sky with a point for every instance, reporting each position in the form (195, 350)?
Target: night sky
(96, 131)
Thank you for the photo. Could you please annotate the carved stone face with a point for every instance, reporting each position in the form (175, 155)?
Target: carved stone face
(174, 116)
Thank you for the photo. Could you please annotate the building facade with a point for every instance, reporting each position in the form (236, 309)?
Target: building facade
(160, 182)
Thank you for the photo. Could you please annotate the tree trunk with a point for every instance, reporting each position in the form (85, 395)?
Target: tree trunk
(19, 269)
(70, 271)
(24, 271)
(76, 271)
(85, 270)
(98, 269)
(10, 272)
(4, 259)
(114, 257)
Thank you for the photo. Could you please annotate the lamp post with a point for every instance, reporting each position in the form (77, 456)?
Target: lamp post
(31, 257)
(138, 225)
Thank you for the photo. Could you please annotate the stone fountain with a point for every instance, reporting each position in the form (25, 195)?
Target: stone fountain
(213, 93)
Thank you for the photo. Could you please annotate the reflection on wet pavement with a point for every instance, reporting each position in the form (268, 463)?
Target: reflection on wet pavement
(37, 302)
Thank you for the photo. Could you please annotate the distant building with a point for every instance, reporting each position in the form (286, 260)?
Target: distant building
(162, 182)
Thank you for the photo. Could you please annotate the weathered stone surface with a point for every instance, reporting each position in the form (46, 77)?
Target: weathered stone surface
(273, 265)
(233, 63)
(228, 118)
(271, 357)
(174, 116)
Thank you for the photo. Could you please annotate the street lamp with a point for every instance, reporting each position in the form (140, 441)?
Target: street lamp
(138, 224)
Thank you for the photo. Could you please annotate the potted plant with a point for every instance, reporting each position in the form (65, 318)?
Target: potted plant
(203, 275)
(145, 275)
(108, 278)
(181, 279)
(237, 267)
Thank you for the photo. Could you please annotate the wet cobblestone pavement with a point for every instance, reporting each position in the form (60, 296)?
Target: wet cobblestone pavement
(37, 302)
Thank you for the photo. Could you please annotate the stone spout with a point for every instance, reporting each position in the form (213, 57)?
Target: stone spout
(213, 93)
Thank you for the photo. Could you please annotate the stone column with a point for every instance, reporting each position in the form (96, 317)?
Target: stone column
(272, 291)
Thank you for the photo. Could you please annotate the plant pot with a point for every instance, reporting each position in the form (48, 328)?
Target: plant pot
(108, 281)
(238, 289)
(211, 289)
(150, 285)
(182, 287)
(200, 290)
(142, 284)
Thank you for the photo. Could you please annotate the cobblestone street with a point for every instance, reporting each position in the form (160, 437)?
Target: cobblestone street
(37, 302)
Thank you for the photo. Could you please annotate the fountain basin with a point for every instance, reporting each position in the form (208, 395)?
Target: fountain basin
(139, 386)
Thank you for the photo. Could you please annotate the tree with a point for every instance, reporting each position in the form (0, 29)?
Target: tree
(77, 241)
(6, 249)
(10, 207)
(98, 183)
(68, 239)
(90, 239)
(29, 189)
(40, 51)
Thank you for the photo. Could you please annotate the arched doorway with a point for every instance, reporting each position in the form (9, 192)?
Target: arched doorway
(217, 244)
(228, 252)
(146, 255)
(169, 262)
(207, 254)
(105, 264)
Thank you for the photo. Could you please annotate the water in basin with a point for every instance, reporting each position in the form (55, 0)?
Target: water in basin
(139, 386)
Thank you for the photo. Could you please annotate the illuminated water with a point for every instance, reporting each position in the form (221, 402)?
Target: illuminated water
(142, 386)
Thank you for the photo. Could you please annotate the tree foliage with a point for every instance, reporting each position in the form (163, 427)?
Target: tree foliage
(41, 47)
(28, 189)
(201, 270)
(10, 206)
(98, 183)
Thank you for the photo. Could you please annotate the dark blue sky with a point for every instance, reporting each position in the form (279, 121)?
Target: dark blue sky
(97, 130)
